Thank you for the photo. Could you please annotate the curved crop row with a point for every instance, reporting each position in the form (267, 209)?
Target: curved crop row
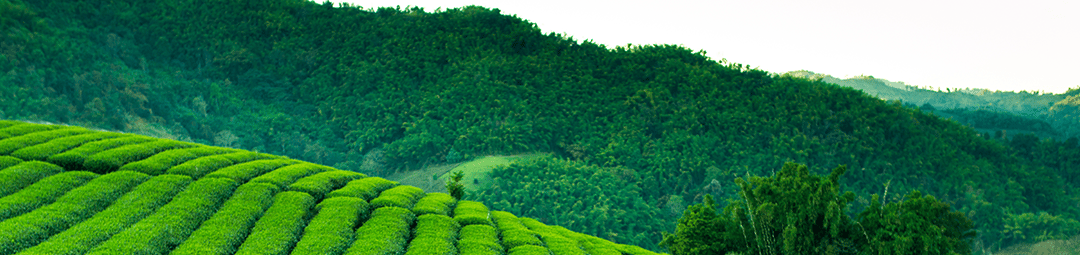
(76, 205)
(129, 209)
(8, 161)
(554, 241)
(170, 225)
(367, 188)
(244, 172)
(514, 233)
(8, 123)
(197, 168)
(435, 235)
(434, 203)
(320, 184)
(56, 146)
(42, 193)
(18, 130)
(18, 142)
(161, 162)
(479, 240)
(74, 158)
(332, 229)
(400, 196)
(231, 224)
(286, 175)
(281, 226)
(472, 212)
(385, 233)
(529, 249)
(112, 159)
(17, 177)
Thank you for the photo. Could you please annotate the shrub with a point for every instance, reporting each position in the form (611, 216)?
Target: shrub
(591, 244)
(230, 225)
(42, 151)
(518, 237)
(434, 203)
(479, 239)
(198, 167)
(367, 188)
(332, 229)
(8, 123)
(557, 243)
(161, 162)
(42, 193)
(18, 130)
(434, 235)
(400, 196)
(169, 226)
(14, 143)
(320, 184)
(74, 158)
(8, 161)
(529, 250)
(17, 177)
(245, 171)
(112, 159)
(286, 175)
(280, 227)
(34, 227)
(471, 212)
(385, 233)
(129, 209)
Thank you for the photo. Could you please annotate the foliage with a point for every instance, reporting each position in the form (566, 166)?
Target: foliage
(385, 233)
(399, 196)
(287, 175)
(320, 184)
(231, 224)
(472, 212)
(434, 203)
(454, 186)
(17, 177)
(331, 231)
(366, 188)
(42, 193)
(278, 230)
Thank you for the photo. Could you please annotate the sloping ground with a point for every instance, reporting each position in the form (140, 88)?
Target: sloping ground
(70, 190)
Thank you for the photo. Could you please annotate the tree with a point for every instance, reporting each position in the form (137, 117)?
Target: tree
(454, 186)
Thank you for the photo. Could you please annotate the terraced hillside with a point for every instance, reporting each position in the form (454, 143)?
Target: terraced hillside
(71, 190)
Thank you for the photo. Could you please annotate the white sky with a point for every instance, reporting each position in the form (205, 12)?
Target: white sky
(1031, 45)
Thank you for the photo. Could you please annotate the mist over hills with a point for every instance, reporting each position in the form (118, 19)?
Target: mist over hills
(637, 133)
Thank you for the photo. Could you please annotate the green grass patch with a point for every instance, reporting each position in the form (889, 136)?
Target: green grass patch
(17, 177)
(173, 223)
(15, 143)
(385, 233)
(231, 224)
(333, 228)
(434, 203)
(400, 196)
(320, 184)
(73, 159)
(112, 159)
(434, 235)
(42, 193)
(280, 228)
(161, 162)
(129, 209)
(286, 175)
(472, 212)
(244, 172)
(32, 228)
(367, 188)
(41, 152)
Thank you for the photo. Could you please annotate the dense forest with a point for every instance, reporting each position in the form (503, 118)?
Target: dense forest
(637, 132)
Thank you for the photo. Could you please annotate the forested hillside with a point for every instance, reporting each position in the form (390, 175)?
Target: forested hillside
(637, 132)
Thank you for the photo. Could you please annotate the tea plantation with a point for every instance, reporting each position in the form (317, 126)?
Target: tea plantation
(71, 190)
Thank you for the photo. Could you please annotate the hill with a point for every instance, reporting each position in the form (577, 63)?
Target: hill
(636, 133)
(71, 190)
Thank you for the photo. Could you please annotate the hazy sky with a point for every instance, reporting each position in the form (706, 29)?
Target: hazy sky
(998, 45)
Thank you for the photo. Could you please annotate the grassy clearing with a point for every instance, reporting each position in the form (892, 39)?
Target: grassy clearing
(17, 177)
(280, 228)
(42, 193)
(231, 224)
(367, 188)
(161, 162)
(29, 229)
(286, 175)
(332, 229)
(15, 143)
(173, 223)
(42, 151)
(386, 232)
(320, 184)
(129, 209)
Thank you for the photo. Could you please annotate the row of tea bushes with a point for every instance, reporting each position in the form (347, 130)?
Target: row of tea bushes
(142, 201)
(12, 144)
(112, 159)
(434, 203)
(231, 224)
(26, 128)
(435, 234)
(286, 175)
(514, 233)
(24, 173)
(42, 193)
(75, 157)
(479, 240)
(161, 162)
(43, 151)
(472, 212)
(246, 171)
(280, 227)
(321, 184)
(170, 225)
(29, 229)
(400, 196)
(367, 188)
(386, 232)
(197, 168)
(331, 231)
